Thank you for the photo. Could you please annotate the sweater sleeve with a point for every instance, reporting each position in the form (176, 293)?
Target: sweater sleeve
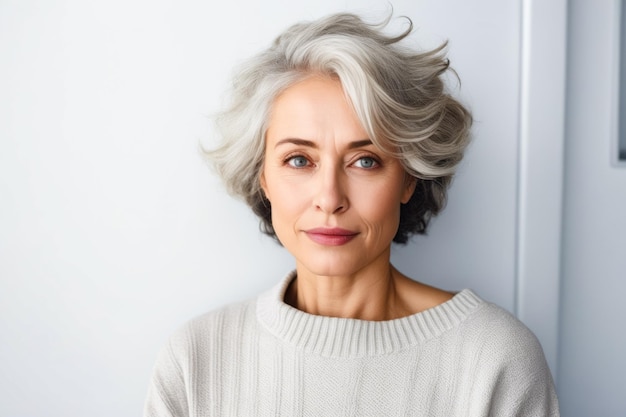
(521, 385)
(525, 388)
(167, 392)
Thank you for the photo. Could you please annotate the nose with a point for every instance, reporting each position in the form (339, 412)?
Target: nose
(330, 196)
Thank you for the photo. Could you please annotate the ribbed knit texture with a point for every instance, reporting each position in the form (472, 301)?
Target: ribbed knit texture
(465, 357)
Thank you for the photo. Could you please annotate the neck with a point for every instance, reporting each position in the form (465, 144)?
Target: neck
(366, 295)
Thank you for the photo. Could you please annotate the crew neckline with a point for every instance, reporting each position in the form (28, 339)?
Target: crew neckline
(346, 337)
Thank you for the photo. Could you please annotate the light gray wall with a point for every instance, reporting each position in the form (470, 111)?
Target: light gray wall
(112, 230)
(592, 364)
(620, 142)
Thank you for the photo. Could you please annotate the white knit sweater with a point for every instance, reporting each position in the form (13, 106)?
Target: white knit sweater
(465, 357)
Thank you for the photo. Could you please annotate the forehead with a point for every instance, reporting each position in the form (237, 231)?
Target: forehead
(314, 109)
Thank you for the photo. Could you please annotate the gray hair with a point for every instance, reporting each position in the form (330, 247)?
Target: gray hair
(398, 96)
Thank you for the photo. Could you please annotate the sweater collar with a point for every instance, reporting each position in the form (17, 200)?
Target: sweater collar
(342, 337)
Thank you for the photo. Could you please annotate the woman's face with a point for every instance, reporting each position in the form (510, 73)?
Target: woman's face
(335, 196)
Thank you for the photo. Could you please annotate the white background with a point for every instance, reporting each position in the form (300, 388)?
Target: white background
(113, 231)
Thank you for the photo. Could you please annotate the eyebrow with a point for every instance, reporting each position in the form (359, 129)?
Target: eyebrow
(311, 144)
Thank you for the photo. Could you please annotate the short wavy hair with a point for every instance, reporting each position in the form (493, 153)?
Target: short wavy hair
(398, 95)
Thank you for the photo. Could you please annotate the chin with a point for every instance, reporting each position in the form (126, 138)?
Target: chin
(330, 267)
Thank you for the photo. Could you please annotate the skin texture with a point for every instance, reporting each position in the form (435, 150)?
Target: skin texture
(336, 207)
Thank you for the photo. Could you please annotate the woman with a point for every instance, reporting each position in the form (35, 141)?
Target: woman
(343, 141)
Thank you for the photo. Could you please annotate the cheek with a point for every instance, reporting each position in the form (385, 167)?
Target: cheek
(387, 213)
(384, 206)
(380, 207)
(287, 204)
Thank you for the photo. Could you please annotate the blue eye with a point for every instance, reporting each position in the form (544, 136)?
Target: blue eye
(298, 161)
(366, 162)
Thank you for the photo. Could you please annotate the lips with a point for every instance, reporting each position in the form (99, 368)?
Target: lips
(331, 236)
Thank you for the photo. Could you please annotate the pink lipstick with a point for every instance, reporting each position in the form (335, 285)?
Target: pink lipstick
(334, 236)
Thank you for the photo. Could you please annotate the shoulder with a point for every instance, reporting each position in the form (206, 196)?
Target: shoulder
(212, 327)
(508, 360)
(186, 360)
(482, 330)
(500, 334)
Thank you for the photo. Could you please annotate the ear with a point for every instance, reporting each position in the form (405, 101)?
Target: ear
(263, 184)
(410, 182)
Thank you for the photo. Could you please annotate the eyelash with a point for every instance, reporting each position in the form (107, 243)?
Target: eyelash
(288, 161)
